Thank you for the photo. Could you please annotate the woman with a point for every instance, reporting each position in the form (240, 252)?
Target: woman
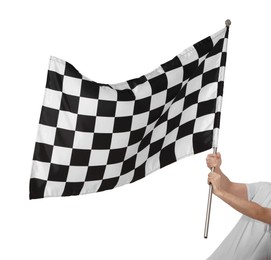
(250, 239)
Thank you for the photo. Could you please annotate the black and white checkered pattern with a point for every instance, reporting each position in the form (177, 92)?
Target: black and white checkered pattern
(94, 137)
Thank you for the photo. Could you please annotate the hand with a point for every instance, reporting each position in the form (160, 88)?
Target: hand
(215, 179)
(214, 160)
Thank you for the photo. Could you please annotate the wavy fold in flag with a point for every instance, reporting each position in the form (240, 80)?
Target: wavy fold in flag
(94, 137)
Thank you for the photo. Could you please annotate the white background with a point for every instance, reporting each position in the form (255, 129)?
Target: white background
(163, 215)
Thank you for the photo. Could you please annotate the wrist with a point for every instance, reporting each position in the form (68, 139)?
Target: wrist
(217, 169)
(220, 193)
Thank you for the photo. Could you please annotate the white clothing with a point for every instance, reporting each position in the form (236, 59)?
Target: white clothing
(250, 239)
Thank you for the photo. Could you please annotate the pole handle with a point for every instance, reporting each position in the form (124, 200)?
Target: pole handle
(209, 203)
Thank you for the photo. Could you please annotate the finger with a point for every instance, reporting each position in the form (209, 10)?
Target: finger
(210, 158)
(211, 164)
(211, 155)
(209, 181)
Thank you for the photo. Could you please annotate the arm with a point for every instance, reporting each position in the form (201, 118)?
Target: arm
(237, 189)
(244, 206)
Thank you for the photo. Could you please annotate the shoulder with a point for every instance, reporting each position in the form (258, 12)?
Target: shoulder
(258, 189)
(254, 188)
(259, 184)
(264, 185)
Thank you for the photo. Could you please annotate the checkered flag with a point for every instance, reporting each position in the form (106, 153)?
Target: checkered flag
(94, 137)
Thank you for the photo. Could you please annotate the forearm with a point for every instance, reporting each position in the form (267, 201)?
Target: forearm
(237, 189)
(246, 207)
(226, 183)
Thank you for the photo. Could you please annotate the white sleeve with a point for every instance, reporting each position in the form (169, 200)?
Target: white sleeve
(252, 189)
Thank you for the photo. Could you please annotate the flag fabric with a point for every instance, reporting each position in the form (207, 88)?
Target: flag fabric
(94, 137)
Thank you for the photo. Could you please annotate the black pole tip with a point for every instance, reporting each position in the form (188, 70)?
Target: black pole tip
(228, 22)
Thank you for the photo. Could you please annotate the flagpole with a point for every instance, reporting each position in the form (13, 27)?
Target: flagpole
(209, 203)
